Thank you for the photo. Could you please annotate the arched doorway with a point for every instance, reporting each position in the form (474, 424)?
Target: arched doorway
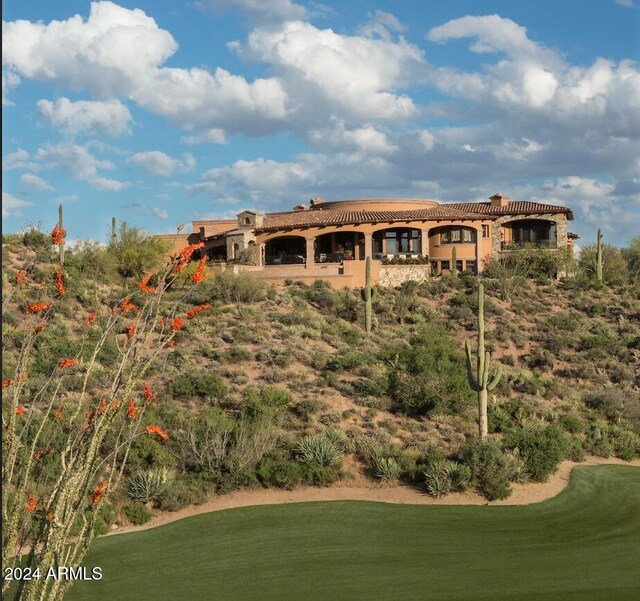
(285, 250)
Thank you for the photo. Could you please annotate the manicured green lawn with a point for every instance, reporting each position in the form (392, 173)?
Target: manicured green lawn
(582, 545)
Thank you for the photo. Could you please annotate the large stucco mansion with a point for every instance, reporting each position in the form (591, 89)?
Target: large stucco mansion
(329, 240)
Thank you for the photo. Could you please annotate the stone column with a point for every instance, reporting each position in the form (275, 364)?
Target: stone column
(260, 255)
(368, 245)
(311, 260)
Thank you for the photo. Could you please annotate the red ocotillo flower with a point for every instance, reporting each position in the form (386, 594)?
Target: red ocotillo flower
(8, 382)
(51, 516)
(60, 282)
(90, 319)
(199, 274)
(31, 505)
(171, 342)
(38, 328)
(182, 258)
(132, 410)
(35, 308)
(197, 310)
(126, 305)
(58, 414)
(99, 491)
(131, 330)
(144, 284)
(21, 277)
(20, 410)
(151, 430)
(65, 363)
(103, 406)
(114, 405)
(58, 234)
(148, 394)
(177, 324)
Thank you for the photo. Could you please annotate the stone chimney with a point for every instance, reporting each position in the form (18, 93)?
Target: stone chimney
(316, 202)
(301, 207)
(497, 200)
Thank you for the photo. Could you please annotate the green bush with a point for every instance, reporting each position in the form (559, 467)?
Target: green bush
(189, 490)
(198, 384)
(137, 252)
(443, 476)
(609, 402)
(541, 448)
(385, 466)
(626, 444)
(283, 473)
(491, 468)
(228, 288)
(137, 513)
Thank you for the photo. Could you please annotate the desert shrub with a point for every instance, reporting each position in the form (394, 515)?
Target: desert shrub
(137, 513)
(491, 468)
(188, 490)
(609, 402)
(198, 384)
(137, 252)
(150, 486)
(632, 256)
(228, 288)
(347, 360)
(283, 473)
(540, 359)
(541, 448)
(319, 449)
(90, 259)
(428, 374)
(105, 518)
(238, 354)
(626, 444)
(614, 266)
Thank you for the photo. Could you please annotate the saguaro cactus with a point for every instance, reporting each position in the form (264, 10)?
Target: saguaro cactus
(454, 261)
(114, 234)
(61, 245)
(367, 295)
(599, 257)
(479, 377)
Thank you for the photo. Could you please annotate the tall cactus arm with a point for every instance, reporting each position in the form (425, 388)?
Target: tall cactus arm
(496, 378)
(473, 383)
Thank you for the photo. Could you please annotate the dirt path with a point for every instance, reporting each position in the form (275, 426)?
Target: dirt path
(523, 494)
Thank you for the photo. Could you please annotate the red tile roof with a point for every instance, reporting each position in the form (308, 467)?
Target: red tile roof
(444, 212)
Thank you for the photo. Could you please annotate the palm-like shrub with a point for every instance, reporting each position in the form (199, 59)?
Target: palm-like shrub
(443, 476)
(150, 486)
(320, 449)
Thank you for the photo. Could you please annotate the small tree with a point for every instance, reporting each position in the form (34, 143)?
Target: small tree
(136, 251)
(614, 266)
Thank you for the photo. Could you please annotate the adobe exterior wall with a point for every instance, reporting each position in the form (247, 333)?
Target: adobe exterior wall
(393, 276)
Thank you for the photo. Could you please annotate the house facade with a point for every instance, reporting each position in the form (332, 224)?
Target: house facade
(406, 238)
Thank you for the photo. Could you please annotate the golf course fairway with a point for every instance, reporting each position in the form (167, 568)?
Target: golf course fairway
(582, 545)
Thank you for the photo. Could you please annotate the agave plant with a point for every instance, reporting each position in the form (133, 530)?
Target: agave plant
(444, 476)
(320, 449)
(384, 466)
(150, 486)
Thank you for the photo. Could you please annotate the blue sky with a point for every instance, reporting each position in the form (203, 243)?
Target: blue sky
(166, 111)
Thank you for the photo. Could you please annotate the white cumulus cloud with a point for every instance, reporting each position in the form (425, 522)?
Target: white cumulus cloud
(11, 206)
(33, 181)
(159, 163)
(110, 118)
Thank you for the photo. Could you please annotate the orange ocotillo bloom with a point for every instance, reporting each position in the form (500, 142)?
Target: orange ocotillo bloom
(58, 234)
(148, 394)
(99, 491)
(126, 305)
(131, 330)
(8, 382)
(35, 308)
(132, 411)
(151, 430)
(38, 328)
(60, 282)
(31, 505)
(64, 363)
(90, 319)
(171, 342)
(144, 284)
(197, 310)
(21, 277)
(177, 323)
(199, 273)
(20, 410)
(182, 258)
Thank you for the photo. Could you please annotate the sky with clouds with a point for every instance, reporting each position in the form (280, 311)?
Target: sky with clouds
(166, 111)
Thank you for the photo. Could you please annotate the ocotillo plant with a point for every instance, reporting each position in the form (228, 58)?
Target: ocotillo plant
(454, 261)
(114, 235)
(61, 229)
(367, 295)
(479, 377)
(599, 257)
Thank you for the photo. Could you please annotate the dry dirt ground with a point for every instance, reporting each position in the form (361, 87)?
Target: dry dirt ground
(523, 494)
